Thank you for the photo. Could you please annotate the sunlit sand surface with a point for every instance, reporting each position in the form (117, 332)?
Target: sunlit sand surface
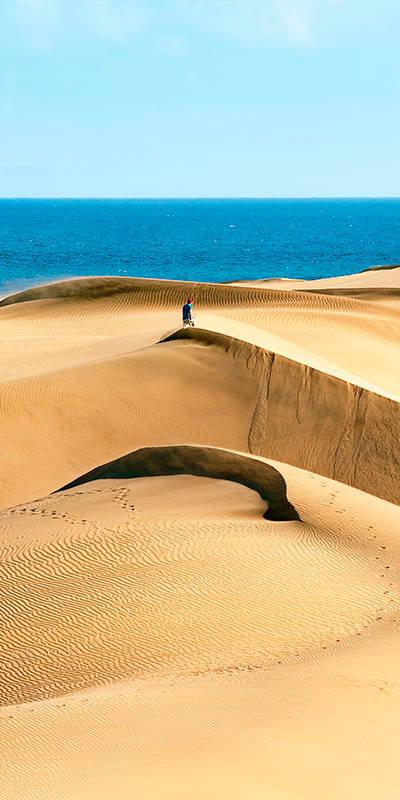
(160, 639)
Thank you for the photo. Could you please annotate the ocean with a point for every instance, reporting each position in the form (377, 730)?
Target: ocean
(198, 240)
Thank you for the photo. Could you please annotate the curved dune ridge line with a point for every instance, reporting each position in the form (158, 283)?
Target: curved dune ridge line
(166, 291)
(207, 462)
(121, 577)
(380, 284)
(89, 389)
(277, 345)
(338, 329)
(159, 638)
(312, 418)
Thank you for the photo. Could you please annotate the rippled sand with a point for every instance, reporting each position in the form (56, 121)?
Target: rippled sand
(159, 637)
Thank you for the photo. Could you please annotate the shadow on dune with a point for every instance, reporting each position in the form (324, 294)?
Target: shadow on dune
(206, 462)
(316, 421)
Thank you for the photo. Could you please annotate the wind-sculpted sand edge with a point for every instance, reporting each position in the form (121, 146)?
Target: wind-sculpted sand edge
(159, 638)
(206, 462)
(316, 421)
(147, 293)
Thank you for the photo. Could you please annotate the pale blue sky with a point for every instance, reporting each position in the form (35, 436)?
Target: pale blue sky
(200, 98)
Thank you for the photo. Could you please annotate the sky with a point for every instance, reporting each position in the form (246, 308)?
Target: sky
(199, 98)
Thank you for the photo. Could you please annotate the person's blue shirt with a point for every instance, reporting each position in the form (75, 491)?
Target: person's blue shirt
(187, 311)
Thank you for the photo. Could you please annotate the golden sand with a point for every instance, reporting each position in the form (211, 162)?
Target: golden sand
(160, 638)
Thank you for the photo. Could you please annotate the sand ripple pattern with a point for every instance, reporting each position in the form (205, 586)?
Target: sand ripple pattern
(127, 579)
(183, 392)
(336, 328)
(233, 656)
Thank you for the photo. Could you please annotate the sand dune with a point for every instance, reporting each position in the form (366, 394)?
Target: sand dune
(61, 424)
(206, 462)
(160, 638)
(338, 329)
(120, 577)
(241, 653)
(325, 420)
(117, 402)
(380, 284)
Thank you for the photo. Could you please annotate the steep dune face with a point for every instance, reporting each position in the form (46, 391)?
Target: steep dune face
(230, 394)
(316, 421)
(160, 638)
(207, 462)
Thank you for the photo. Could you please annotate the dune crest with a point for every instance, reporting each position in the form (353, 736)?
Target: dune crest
(287, 369)
(207, 462)
(144, 293)
(314, 419)
(160, 638)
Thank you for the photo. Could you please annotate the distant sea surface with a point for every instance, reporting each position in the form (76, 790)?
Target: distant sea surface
(196, 240)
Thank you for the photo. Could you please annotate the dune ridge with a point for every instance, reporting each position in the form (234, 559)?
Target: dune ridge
(118, 401)
(335, 328)
(379, 267)
(165, 294)
(381, 295)
(316, 421)
(278, 408)
(206, 462)
(378, 284)
(161, 637)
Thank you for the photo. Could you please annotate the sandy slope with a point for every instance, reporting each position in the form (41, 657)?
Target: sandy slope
(376, 285)
(160, 639)
(182, 392)
(257, 659)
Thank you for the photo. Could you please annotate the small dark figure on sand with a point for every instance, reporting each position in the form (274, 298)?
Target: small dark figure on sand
(187, 314)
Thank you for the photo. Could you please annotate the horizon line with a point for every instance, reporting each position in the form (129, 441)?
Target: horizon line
(204, 197)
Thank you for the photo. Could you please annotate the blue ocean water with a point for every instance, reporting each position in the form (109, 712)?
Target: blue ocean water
(201, 240)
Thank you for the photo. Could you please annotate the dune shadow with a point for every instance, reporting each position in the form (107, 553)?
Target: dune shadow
(206, 462)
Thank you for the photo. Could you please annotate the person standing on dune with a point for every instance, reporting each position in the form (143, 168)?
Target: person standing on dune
(187, 314)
